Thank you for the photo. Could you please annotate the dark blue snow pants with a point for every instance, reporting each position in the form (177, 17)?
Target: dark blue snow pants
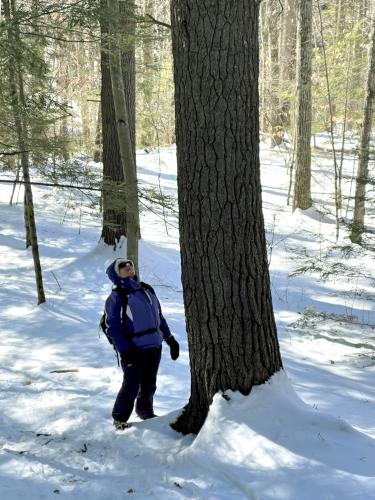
(139, 383)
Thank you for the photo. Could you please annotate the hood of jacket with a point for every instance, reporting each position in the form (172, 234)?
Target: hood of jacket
(129, 284)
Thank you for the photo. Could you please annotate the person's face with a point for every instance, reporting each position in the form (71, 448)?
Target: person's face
(126, 270)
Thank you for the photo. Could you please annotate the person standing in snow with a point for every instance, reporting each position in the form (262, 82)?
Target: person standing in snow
(137, 334)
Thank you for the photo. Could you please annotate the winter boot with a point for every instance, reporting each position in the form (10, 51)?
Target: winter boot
(121, 426)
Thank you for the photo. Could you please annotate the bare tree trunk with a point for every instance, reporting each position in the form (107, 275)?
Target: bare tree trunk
(127, 152)
(98, 136)
(114, 202)
(273, 119)
(302, 187)
(287, 56)
(127, 51)
(147, 137)
(18, 104)
(362, 174)
(340, 16)
(64, 128)
(229, 316)
(331, 128)
(15, 184)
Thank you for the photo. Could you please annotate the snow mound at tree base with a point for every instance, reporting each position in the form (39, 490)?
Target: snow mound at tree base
(270, 444)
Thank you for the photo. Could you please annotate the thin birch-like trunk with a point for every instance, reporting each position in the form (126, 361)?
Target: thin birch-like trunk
(331, 108)
(18, 103)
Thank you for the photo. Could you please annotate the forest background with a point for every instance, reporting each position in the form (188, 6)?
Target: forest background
(57, 111)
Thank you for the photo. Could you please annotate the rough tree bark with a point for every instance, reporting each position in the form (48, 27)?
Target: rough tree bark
(229, 316)
(362, 174)
(127, 152)
(114, 203)
(16, 87)
(302, 186)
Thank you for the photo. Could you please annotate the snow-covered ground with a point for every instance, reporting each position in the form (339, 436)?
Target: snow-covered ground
(307, 434)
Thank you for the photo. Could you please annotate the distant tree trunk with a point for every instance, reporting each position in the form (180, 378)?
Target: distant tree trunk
(64, 128)
(341, 24)
(229, 316)
(127, 10)
(98, 137)
(273, 118)
(331, 127)
(362, 174)
(15, 184)
(127, 152)
(85, 121)
(302, 187)
(26, 203)
(18, 104)
(287, 56)
(147, 133)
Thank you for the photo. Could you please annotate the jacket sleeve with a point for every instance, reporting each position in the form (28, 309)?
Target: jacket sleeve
(113, 322)
(164, 328)
(164, 325)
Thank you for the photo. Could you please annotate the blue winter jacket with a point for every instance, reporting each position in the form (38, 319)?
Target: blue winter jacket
(143, 312)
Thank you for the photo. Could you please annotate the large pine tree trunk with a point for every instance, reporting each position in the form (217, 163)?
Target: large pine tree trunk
(18, 103)
(127, 152)
(362, 174)
(229, 316)
(302, 187)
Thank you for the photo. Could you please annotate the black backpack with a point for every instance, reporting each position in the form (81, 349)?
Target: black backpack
(124, 299)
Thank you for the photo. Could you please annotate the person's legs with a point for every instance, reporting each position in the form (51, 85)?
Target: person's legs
(124, 403)
(150, 365)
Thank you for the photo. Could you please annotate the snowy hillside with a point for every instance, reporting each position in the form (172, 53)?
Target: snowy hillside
(308, 434)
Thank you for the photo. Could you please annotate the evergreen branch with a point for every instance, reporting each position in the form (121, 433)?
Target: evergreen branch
(58, 39)
(57, 8)
(42, 26)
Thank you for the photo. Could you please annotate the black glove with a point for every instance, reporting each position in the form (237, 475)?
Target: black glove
(128, 357)
(174, 347)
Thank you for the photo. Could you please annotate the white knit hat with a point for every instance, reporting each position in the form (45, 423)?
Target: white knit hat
(118, 262)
